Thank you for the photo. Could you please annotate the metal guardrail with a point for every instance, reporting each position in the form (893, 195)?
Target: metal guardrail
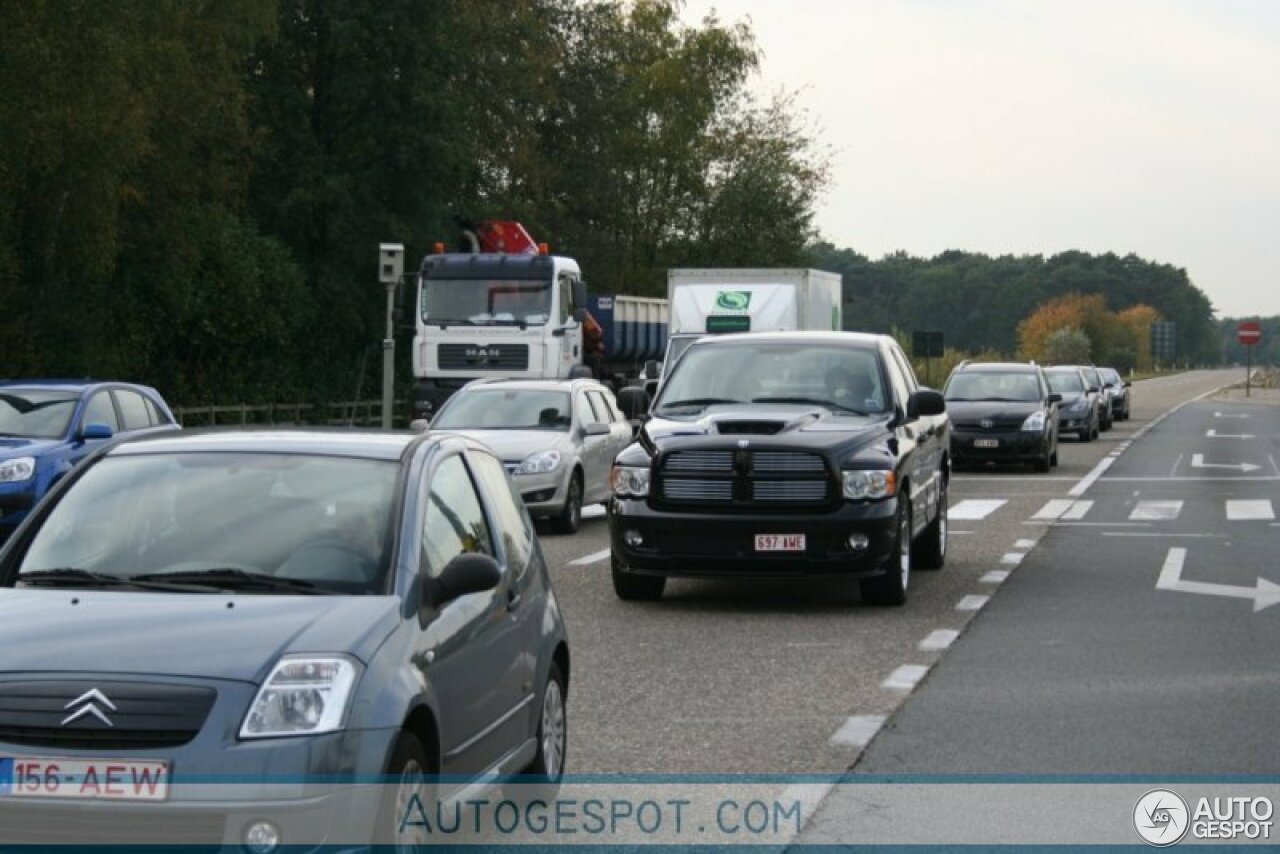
(347, 413)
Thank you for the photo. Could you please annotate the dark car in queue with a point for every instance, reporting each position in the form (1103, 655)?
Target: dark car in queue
(47, 426)
(785, 455)
(1002, 412)
(1120, 391)
(1102, 395)
(1079, 411)
(262, 606)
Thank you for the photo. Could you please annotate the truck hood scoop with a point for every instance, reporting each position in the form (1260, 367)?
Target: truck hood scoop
(754, 427)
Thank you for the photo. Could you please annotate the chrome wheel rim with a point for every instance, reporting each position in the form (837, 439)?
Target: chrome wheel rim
(942, 518)
(553, 730)
(904, 548)
(575, 503)
(414, 836)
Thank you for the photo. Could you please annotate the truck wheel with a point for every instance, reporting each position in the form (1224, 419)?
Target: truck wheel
(635, 588)
(932, 551)
(568, 520)
(890, 589)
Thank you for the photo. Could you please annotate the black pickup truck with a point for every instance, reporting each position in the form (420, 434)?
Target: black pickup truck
(784, 455)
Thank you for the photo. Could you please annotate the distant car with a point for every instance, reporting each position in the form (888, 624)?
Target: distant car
(1002, 412)
(1119, 389)
(1080, 409)
(282, 611)
(47, 426)
(557, 439)
(1094, 379)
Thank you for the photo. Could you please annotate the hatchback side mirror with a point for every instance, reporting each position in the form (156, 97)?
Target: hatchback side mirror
(925, 402)
(466, 573)
(96, 431)
(1055, 398)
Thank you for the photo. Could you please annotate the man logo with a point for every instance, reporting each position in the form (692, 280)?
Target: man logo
(733, 300)
(1161, 818)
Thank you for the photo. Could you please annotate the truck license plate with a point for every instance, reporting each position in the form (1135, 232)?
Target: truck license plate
(779, 542)
(986, 443)
(103, 779)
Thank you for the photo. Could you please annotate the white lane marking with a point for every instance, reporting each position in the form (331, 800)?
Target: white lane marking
(1156, 511)
(1024, 544)
(1229, 415)
(1090, 524)
(954, 533)
(1164, 535)
(995, 576)
(1197, 479)
(1197, 462)
(1053, 508)
(1011, 558)
(1274, 467)
(594, 557)
(594, 511)
(1078, 509)
(975, 508)
(971, 603)
(1214, 434)
(810, 797)
(1250, 509)
(905, 677)
(858, 730)
(1264, 595)
(1176, 463)
(939, 639)
(1088, 480)
(1021, 478)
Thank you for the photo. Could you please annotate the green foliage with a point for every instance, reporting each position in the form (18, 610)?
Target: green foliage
(1068, 346)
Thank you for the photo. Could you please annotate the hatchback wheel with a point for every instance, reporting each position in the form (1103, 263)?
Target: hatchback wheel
(553, 731)
(570, 517)
(405, 792)
(891, 587)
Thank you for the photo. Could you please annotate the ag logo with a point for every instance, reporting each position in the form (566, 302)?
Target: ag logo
(733, 300)
(1161, 817)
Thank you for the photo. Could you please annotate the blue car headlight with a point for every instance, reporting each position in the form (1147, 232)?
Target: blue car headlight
(17, 469)
(303, 695)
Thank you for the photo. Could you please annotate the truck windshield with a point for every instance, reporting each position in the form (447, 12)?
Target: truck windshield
(486, 302)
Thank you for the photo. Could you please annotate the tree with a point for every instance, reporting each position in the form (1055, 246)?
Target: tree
(1067, 346)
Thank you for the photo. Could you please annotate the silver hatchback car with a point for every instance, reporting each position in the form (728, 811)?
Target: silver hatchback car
(557, 439)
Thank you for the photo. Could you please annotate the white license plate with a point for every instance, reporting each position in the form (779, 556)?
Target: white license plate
(103, 779)
(986, 443)
(779, 542)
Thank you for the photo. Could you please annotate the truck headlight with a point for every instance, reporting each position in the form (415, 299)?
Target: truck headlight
(629, 481)
(17, 469)
(540, 463)
(858, 485)
(1034, 422)
(303, 695)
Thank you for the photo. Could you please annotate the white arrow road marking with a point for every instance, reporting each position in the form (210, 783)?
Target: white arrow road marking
(1250, 509)
(1197, 462)
(1229, 415)
(1214, 434)
(1264, 595)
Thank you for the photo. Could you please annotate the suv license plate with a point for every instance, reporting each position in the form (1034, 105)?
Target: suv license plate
(102, 779)
(986, 443)
(779, 542)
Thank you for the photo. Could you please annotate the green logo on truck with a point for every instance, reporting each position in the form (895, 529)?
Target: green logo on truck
(733, 300)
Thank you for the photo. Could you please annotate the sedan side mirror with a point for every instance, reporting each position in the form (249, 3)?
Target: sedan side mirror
(96, 431)
(925, 402)
(466, 573)
(596, 429)
(1055, 398)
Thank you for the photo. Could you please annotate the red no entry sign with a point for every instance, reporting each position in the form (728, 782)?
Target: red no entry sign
(1248, 333)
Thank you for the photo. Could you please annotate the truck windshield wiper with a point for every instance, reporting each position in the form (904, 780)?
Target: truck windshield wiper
(70, 576)
(696, 401)
(830, 404)
(230, 578)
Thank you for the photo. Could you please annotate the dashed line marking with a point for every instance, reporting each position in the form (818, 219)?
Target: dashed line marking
(975, 508)
(1024, 544)
(995, 576)
(1078, 510)
(1088, 480)
(1253, 509)
(1155, 511)
(905, 677)
(594, 511)
(858, 730)
(1011, 558)
(594, 557)
(972, 602)
(939, 639)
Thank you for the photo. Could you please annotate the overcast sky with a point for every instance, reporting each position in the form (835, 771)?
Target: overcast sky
(1037, 126)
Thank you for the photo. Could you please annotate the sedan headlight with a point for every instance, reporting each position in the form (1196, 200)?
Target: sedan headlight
(1034, 422)
(629, 481)
(859, 485)
(304, 695)
(17, 469)
(540, 463)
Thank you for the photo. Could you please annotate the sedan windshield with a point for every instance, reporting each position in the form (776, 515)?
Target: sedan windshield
(35, 414)
(506, 409)
(992, 385)
(1065, 382)
(839, 376)
(254, 523)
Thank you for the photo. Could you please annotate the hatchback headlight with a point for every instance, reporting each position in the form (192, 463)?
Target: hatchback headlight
(304, 695)
(540, 463)
(859, 485)
(17, 469)
(1034, 422)
(1080, 405)
(629, 481)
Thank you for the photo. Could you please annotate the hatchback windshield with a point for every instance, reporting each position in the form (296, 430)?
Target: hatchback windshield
(35, 414)
(993, 385)
(1065, 382)
(842, 377)
(258, 522)
(506, 409)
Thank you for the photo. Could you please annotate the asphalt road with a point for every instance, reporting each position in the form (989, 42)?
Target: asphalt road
(1078, 663)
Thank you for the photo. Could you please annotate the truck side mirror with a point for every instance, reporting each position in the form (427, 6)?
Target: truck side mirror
(633, 401)
(652, 369)
(579, 300)
(925, 402)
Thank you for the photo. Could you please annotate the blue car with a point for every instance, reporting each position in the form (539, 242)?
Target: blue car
(47, 426)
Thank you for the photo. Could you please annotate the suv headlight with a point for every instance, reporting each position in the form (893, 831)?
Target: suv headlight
(1034, 422)
(540, 463)
(17, 469)
(303, 695)
(629, 481)
(858, 485)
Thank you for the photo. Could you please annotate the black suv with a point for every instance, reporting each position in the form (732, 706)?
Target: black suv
(1002, 412)
(785, 455)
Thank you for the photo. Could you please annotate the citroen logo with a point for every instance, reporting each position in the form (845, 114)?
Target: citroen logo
(87, 704)
(743, 443)
(986, 424)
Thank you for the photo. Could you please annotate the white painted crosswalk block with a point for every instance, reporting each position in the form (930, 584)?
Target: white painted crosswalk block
(1156, 511)
(1063, 508)
(1248, 510)
(975, 508)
